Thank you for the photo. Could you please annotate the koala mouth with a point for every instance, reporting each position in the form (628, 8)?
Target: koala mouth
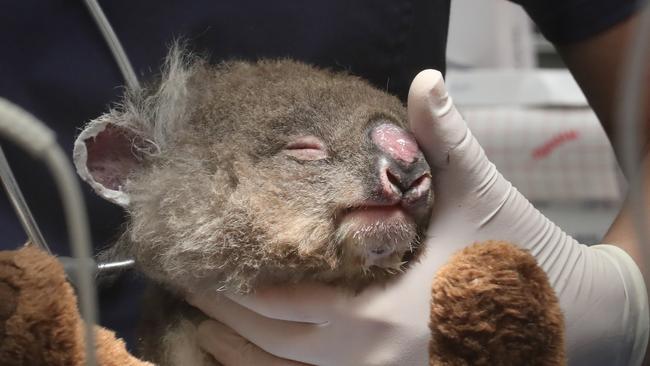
(377, 236)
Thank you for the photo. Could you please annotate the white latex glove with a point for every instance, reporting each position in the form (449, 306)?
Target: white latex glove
(601, 291)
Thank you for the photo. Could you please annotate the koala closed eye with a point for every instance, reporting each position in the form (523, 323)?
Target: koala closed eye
(306, 148)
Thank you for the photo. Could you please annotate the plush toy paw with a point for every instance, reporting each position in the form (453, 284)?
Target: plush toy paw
(39, 319)
(493, 305)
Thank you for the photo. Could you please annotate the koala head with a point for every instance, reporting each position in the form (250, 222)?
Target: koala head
(241, 175)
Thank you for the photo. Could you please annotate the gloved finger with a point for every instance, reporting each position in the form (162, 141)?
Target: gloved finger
(465, 173)
(231, 349)
(272, 335)
(307, 303)
(436, 124)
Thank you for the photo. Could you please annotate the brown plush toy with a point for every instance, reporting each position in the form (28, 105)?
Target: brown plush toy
(39, 319)
(491, 305)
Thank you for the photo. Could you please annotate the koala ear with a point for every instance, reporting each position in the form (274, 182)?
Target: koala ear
(118, 143)
(105, 154)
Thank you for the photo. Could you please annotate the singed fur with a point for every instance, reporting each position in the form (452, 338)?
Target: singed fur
(219, 204)
(216, 204)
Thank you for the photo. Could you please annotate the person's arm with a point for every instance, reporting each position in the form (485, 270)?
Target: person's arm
(597, 65)
(623, 232)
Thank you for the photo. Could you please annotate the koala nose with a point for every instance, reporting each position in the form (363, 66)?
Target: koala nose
(404, 172)
(411, 181)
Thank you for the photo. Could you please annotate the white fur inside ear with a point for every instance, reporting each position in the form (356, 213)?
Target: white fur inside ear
(80, 159)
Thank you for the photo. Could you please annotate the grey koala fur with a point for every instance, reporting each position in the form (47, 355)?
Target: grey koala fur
(216, 202)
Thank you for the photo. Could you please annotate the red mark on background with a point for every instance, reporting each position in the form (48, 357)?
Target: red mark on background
(547, 148)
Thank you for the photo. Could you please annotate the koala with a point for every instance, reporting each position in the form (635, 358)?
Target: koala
(247, 174)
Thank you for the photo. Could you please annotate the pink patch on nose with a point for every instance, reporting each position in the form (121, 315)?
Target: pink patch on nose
(396, 142)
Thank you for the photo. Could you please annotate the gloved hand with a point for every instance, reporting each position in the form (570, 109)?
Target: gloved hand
(601, 291)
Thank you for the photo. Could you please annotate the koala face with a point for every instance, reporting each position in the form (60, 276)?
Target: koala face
(243, 175)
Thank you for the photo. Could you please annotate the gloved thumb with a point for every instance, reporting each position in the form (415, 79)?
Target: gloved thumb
(464, 172)
(435, 122)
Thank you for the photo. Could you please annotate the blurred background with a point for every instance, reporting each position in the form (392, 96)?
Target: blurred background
(542, 135)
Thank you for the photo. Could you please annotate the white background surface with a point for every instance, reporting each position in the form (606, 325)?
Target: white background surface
(536, 127)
